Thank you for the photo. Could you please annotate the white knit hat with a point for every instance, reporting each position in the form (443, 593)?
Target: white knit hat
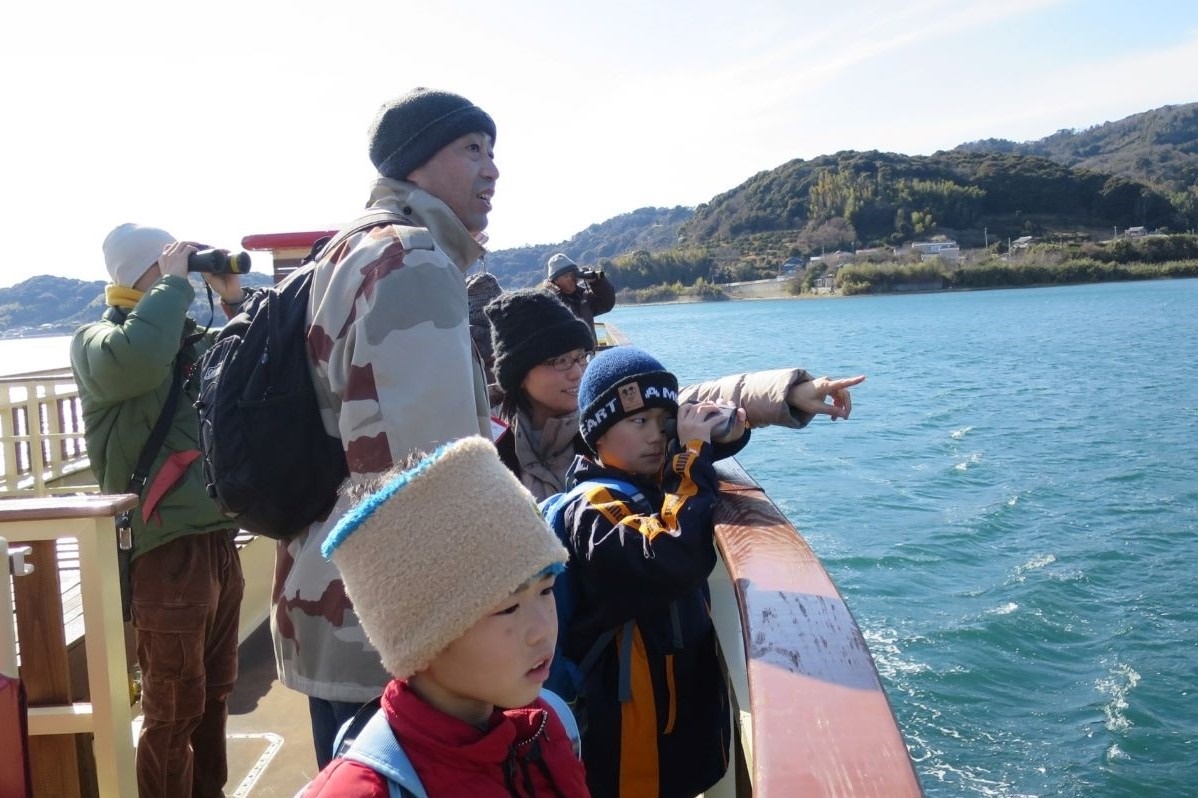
(130, 250)
(436, 548)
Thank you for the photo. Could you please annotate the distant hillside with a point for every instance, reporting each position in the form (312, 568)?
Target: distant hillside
(47, 304)
(651, 229)
(1158, 147)
(855, 199)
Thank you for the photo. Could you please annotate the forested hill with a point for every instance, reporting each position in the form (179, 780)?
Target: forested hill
(854, 199)
(651, 229)
(1157, 147)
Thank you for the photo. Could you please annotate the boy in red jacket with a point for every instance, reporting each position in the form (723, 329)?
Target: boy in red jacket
(451, 571)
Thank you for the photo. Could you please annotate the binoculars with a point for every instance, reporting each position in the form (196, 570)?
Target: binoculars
(218, 261)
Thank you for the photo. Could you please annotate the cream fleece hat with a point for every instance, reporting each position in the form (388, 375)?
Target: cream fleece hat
(436, 548)
(130, 250)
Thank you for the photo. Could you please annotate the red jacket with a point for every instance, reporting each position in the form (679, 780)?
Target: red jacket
(524, 753)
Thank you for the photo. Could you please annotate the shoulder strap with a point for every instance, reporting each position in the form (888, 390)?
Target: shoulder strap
(141, 471)
(378, 749)
(566, 716)
(372, 218)
(611, 483)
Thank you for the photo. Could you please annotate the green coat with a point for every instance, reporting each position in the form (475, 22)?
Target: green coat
(123, 365)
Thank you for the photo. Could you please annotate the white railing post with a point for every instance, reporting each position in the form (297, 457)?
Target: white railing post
(33, 427)
(107, 666)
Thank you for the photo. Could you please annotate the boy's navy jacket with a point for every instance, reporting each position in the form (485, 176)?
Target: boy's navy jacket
(665, 718)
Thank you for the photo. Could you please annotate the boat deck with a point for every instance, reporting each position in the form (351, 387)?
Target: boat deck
(269, 734)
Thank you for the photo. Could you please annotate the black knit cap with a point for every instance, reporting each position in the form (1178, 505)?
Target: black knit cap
(529, 327)
(411, 129)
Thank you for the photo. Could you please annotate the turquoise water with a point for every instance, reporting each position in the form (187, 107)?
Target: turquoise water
(1011, 513)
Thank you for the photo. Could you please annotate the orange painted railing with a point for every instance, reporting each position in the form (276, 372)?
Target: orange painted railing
(814, 719)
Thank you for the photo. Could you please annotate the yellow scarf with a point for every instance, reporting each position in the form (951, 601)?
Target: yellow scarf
(122, 297)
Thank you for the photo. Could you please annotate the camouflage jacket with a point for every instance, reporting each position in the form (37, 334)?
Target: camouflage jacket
(396, 373)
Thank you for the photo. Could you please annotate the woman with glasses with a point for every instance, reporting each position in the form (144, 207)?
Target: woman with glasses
(541, 350)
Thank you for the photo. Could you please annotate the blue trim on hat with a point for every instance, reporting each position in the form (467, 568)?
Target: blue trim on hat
(350, 522)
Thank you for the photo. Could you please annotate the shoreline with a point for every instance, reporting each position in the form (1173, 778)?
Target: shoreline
(781, 293)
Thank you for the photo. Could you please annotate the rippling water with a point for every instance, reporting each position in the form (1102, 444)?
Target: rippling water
(1011, 513)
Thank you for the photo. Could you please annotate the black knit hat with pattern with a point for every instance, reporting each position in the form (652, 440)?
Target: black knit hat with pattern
(528, 327)
(411, 129)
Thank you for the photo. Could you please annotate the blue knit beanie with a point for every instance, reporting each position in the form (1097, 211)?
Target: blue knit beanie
(619, 382)
(410, 129)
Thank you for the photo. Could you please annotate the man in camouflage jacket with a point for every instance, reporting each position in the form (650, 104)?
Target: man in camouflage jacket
(394, 368)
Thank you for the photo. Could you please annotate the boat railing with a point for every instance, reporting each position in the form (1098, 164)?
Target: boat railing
(811, 713)
(42, 450)
(55, 716)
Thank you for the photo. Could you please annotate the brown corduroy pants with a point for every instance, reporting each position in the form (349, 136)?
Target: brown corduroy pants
(186, 603)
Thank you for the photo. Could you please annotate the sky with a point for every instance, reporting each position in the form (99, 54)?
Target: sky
(221, 119)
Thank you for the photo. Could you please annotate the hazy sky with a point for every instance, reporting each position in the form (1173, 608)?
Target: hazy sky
(227, 119)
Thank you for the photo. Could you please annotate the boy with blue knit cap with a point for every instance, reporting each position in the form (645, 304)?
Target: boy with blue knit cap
(451, 570)
(655, 699)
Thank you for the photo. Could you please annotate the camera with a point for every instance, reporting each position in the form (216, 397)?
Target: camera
(725, 411)
(590, 275)
(218, 261)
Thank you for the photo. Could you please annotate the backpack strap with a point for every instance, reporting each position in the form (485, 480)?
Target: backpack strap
(377, 747)
(566, 716)
(611, 483)
(373, 218)
(625, 630)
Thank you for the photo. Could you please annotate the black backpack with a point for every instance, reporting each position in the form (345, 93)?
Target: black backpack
(268, 462)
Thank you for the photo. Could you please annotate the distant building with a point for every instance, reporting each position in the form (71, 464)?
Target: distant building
(1135, 232)
(792, 265)
(945, 250)
(1023, 242)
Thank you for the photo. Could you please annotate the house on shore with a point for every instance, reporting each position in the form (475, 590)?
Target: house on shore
(945, 250)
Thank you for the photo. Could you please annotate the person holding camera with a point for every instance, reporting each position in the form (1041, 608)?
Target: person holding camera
(184, 574)
(586, 292)
(656, 701)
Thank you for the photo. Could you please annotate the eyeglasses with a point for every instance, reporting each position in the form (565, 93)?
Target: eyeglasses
(567, 362)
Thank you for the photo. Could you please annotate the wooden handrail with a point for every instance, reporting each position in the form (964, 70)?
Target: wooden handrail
(107, 716)
(52, 508)
(821, 722)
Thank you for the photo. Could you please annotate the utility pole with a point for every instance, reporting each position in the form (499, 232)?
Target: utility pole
(986, 234)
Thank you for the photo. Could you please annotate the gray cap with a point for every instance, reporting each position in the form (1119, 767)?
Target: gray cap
(560, 265)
